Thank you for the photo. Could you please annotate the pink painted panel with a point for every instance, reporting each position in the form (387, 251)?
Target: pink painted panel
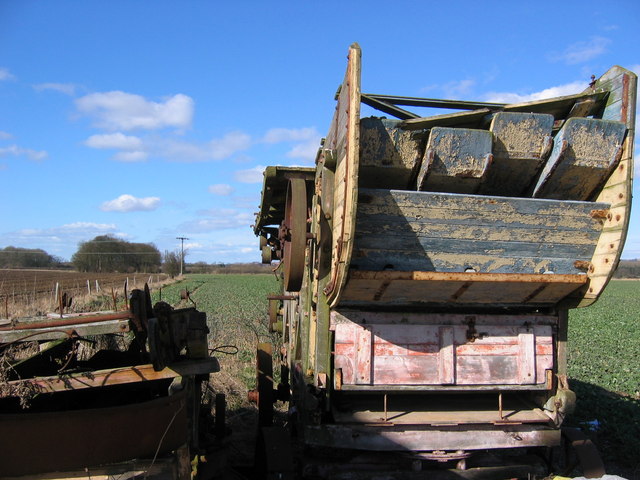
(401, 354)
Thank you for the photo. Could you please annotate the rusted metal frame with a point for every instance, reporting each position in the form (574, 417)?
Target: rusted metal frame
(66, 440)
(117, 376)
(433, 102)
(273, 193)
(386, 107)
(540, 106)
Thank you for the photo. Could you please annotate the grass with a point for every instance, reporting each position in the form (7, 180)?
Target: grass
(236, 307)
(604, 371)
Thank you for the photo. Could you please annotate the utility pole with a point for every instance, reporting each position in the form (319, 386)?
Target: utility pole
(182, 239)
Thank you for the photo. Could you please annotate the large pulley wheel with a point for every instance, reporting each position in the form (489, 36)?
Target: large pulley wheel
(294, 233)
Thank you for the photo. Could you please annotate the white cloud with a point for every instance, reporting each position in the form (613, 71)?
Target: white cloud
(219, 219)
(5, 135)
(64, 231)
(558, 91)
(131, 157)
(16, 151)
(458, 89)
(305, 151)
(132, 147)
(117, 141)
(215, 149)
(250, 175)
(307, 141)
(580, 52)
(231, 143)
(129, 203)
(277, 135)
(118, 110)
(221, 189)
(100, 227)
(5, 74)
(66, 88)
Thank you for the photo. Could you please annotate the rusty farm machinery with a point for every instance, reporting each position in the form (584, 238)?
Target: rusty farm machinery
(429, 264)
(114, 394)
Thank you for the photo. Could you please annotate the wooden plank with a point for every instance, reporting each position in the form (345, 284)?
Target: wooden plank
(444, 410)
(467, 277)
(621, 106)
(585, 152)
(456, 160)
(53, 333)
(117, 376)
(511, 212)
(344, 139)
(521, 142)
(351, 317)
(527, 357)
(420, 288)
(388, 154)
(364, 353)
(404, 230)
(446, 357)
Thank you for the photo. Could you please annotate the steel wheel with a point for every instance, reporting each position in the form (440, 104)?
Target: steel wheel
(295, 234)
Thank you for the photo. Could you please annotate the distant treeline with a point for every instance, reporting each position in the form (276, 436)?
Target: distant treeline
(109, 254)
(628, 269)
(13, 257)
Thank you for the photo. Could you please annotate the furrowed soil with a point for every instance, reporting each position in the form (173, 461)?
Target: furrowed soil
(33, 292)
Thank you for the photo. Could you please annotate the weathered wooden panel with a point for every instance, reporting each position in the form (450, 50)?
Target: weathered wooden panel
(585, 152)
(422, 288)
(472, 354)
(402, 230)
(383, 438)
(442, 410)
(446, 356)
(389, 156)
(521, 143)
(344, 140)
(455, 160)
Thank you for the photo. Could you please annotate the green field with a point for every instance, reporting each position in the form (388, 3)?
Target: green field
(604, 371)
(604, 348)
(236, 308)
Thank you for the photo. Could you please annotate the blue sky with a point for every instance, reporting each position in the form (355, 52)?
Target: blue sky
(151, 120)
